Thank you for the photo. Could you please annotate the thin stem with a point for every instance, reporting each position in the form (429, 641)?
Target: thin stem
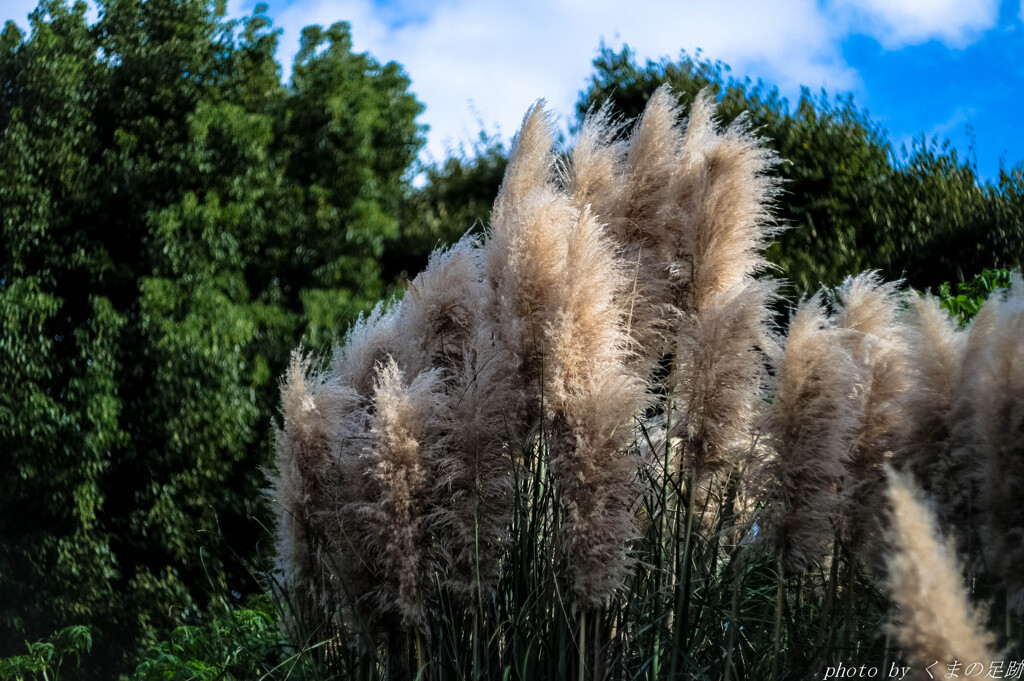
(777, 635)
(419, 652)
(734, 614)
(583, 644)
(476, 644)
(683, 593)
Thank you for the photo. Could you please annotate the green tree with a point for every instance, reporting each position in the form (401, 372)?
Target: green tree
(954, 225)
(965, 303)
(455, 198)
(44, 659)
(350, 138)
(173, 220)
(60, 413)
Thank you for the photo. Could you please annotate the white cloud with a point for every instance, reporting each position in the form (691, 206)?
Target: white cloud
(490, 60)
(898, 23)
(487, 61)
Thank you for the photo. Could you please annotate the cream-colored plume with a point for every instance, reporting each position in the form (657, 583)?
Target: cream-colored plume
(558, 312)
(869, 310)
(306, 468)
(998, 377)
(936, 622)
(400, 470)
(812, 422)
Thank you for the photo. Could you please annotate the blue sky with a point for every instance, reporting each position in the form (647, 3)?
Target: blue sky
(919, 66)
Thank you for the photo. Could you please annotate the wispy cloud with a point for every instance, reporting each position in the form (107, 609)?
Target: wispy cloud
(898, 23)
(487, 61)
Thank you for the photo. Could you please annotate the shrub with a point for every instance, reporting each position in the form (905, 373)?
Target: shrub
(45, 659)
(971, 295)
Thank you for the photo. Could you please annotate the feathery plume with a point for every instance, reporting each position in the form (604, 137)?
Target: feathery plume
(443, 326)
(937, 622)
(368, 342)
(644, 223)
(593, 175)
(441, 310)
(558, 292)
(472, 508)
(626, 184)
(812, 422)
(999, 412)
(591, 395)
(718, 374)
(651, 162)
(301, 485)
(493, 391)
(723, 194)
(869, 310)
(530, 162)
(954, 473)
(935, 372)
(400, 470)
(525, 259)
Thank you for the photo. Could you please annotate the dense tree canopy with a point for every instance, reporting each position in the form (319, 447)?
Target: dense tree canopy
(174, 220)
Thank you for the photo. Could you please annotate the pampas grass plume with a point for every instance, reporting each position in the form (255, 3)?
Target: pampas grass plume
(405, 440)
(999, 434)
(305, 469)
(868, 309)
(592, 395)
(936, 620)
(813, 422)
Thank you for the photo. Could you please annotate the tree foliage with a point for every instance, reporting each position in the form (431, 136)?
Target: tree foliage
(44, 659)
(965, 303)
(173, 219)
(455, 198)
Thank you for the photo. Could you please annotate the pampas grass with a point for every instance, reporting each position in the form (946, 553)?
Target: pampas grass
(441, 310)
(935, 376)
(306, 473)
(472, 506)
(591, 398)
(559, 293)
(401, 471)
(813, 423)
(999, 419)
(869, 310)
(579, 447)
(722, 190)
(936, 621)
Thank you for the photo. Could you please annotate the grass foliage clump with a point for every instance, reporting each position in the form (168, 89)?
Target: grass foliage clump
(580, 447)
